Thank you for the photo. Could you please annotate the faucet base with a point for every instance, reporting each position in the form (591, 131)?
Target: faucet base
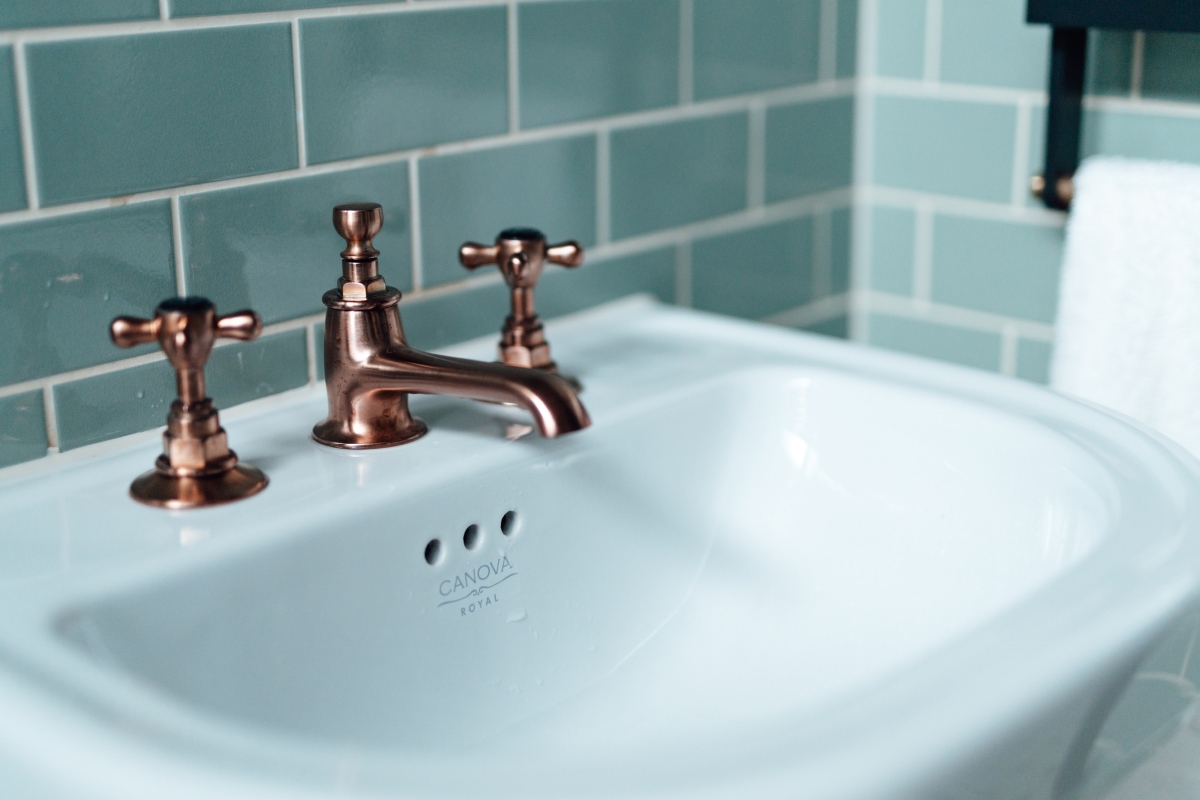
(333, 434)
(155, 488)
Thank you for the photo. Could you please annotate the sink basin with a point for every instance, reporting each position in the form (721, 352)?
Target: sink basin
(776, 566)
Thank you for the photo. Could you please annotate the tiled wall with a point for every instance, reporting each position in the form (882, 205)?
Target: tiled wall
(155, 147)
(953, 258)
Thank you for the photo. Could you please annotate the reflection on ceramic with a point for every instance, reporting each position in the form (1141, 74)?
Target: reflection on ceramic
(777, 566)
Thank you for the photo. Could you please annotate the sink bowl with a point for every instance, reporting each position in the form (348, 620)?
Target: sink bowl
(776, 566)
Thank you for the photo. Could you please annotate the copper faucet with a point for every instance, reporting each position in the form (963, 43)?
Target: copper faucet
(520, 253)
(370, 370)
(197, 468)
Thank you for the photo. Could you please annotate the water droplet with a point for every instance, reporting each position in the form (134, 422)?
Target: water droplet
(140, 394)
(517, 616)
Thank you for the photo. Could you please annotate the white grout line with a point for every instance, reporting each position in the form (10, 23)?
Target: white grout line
(821, 277)
(827, 41)
(683, 274)
(514, 71)
(51, 418)
(1020, 174)
(907, 307)
(298, 79)
(800, 94)
(863, 168)
(414, 222)
(1137, 65)
(964, 207)
(603, 188)
(933, 41)
(164, 9)
(922, 278)
(811, 313)
(310, 350)
(967, 92)
(756, 168)
(1161, 108)
(687, 74)
(25, 119)
(1008, 349)
(177, 248)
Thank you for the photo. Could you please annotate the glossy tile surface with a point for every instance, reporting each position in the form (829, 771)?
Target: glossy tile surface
(124, 114)
(892, 236)
(1033, 360)
(840, 249)
(1110, 62)
(137, 399)
(22, 428)
(12, 169)
(970, 348)
(756, 272)
(945, 147)
(846, 57)
(1018, 277)
(597, 58)
(196, 8)
(379, 83)
(40, 13)
(432, 322)
(900, 51)
(473, 196)
(565, 291)
(1111, 132)
(810, 148)
(989, 44)
(272, 246)
(62, 281)
(751, 45)
(678, 172)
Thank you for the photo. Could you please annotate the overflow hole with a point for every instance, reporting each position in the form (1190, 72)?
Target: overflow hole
(472, 537)
(433, 551)
(508, 523)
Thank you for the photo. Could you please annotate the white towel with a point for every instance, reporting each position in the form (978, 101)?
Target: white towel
(1128, 330)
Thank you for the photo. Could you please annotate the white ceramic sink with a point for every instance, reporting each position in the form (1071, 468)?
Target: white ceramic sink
(776, 566)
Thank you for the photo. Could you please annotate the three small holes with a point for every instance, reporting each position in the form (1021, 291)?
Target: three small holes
(472, 538)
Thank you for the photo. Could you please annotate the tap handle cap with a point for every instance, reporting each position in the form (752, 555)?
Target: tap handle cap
(358, 224)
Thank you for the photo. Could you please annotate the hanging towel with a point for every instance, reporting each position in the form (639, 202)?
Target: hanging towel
(1128, 329)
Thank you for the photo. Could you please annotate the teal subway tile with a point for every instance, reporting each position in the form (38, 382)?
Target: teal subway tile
(945, 146)
(103, 407)
(1033, 360)
(433, 322)
(1037, 152)
(115, 404)
(244, 371)
(678, 172)
(62, 280)
(1109, 62)
(754, 273)
(473, 196)
(810, 148)
(319, 349)
(1006, 268)
(43, 13)
(200, 8)
(22, 428)
(374, 84)
(12, 171)
(565, 291)
(900, 30)
(124, 114)
(837, 327)
(990, 44)
(753, 45)
(846, 61)
(971, 348)
(595, 58)
(1139, 135)
(893, 237)
(841, 224)
(1171, 62)
(272, 247)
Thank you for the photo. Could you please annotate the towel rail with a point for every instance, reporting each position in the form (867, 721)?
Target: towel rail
(1070, 21)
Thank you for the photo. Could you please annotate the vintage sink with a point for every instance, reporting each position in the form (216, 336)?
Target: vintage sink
(776, 566)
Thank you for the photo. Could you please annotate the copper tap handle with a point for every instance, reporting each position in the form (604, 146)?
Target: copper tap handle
(185, 328)
(132, 331)
(244, 325)
(568, 254)
(473, 255)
